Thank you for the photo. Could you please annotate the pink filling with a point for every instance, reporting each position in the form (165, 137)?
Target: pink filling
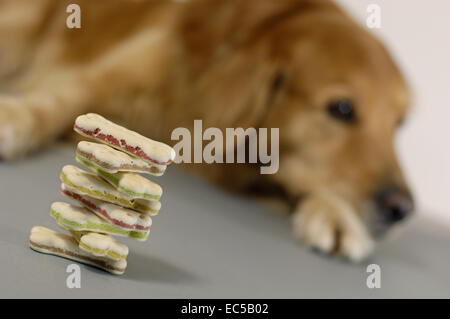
(122, 144)
(92, 206)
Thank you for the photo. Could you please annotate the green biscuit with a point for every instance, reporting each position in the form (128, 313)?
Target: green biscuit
(111, 229)
(114, 180)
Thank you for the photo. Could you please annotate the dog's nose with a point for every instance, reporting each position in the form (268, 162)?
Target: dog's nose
(394, 204)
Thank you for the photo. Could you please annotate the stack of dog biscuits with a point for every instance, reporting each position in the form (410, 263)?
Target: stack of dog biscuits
(114, 199)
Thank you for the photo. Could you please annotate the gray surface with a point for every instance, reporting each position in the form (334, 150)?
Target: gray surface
(204, 243)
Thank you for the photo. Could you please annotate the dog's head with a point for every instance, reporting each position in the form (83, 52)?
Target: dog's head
(331, 88)
(339, 99)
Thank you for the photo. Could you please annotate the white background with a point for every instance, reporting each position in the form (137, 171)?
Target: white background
(417, 32)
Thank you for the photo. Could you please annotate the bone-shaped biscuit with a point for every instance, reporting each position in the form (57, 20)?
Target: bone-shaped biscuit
(97, 127)
(97, 244)
(79, 219)
(85, 183)
(51, 242)
(123, 218)
(131, 184)
(113, 161)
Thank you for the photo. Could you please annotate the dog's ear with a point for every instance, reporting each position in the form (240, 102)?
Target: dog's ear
(237, 89)
(229, 51)
(240, 91)
(211, 29)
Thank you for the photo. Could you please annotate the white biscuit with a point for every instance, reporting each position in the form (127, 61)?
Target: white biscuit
(101, 245)
(79, 219)
(51, 242)
(123, 218)
(93, 186)
(113, 161)
(132, 184)
(97, 127)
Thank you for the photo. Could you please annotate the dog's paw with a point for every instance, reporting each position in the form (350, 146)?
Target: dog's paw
(327, 223)
(16, 129)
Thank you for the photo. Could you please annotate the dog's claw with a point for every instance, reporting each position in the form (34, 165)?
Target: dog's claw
(327, 223)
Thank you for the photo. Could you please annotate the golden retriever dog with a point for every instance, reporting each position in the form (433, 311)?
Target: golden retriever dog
(302, 66)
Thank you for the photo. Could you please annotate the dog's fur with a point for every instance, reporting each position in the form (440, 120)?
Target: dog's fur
(156, 65)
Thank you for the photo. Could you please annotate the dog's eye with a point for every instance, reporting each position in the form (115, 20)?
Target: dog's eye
(342, 110)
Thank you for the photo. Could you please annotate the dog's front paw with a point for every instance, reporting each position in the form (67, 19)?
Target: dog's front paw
(16, 129)
(329, 224)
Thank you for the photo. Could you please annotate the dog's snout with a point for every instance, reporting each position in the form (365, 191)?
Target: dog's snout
(394, 204)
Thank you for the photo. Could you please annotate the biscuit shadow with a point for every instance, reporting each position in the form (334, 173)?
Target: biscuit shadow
(154, 269)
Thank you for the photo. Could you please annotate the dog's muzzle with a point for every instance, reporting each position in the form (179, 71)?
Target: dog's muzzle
(393, 204)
